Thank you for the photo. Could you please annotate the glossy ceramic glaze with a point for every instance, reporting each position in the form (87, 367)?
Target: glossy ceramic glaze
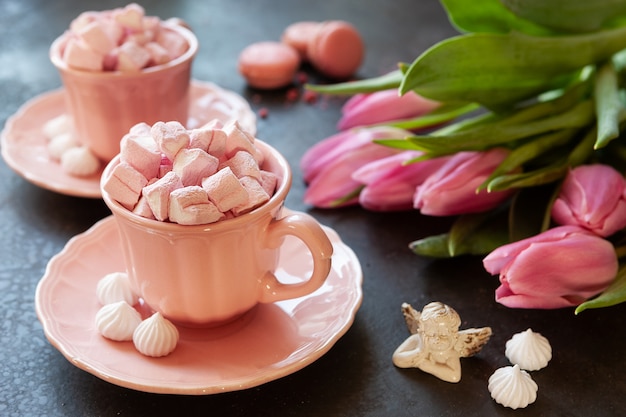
(208, 274)
(269, 342)
(24, 146)
(105, 104)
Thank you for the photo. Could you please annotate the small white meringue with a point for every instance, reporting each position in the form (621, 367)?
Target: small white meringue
(61, 143)
(512, 387)
(117, 321)
(79, 161)
(57, 126)
(115, 287)
(528, 349)
(156, 336)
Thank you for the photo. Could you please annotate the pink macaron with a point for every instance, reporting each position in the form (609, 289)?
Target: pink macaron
(336, 49)
(269, 65)
(298, 35)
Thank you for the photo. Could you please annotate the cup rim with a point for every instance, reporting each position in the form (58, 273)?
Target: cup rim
(275, 200)
(190, 37)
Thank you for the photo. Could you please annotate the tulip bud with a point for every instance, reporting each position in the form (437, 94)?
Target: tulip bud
(451, 190)
(328, 166)
(593, 197)
(561, 267)
(383, 106)
(390, 182)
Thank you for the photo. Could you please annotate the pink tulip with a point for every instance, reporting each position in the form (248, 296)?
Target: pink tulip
(390, 183)
(561, 267)
(327, 167)
(383, 106)
(593, 197)
(451, 190)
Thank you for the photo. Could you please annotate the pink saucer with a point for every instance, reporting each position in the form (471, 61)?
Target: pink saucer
(271, 341)
(24, 145)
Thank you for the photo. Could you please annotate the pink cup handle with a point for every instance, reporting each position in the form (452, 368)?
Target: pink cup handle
(305, 228)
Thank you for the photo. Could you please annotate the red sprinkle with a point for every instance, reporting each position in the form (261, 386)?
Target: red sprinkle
(263, 112)
(310, 96)
(292, 94)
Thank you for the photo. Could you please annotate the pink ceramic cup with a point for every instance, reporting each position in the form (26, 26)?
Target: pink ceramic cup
(210, 274)
(104, 105)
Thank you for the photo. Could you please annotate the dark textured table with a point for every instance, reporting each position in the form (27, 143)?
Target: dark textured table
(356, 377)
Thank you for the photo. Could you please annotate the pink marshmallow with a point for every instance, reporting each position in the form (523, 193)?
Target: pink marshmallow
(217, 147)
(151, 23)
(171, 137)
(213, 124)
(142, 208)
(140, 129)
(269, 182)
(243, 164)
(191, 205)
(78, 55)
(224, 190)
(256, 196)
(200, 139)
(130, 16)
(211, 138)
(158, 54)
(238, 139)
(97, 37)
(132, 57)
(141, 38)
(172, 42)
(158, 194)
(125, 185)
(142, 152)
(82, 20)
(192, 165)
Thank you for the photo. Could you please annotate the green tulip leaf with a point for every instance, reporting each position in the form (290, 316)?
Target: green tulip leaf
(369, 85)
(440, 115)
(435, 246)
(528, 151)
(541, 176)
(478, 233)
(488, 16)
(529, 212)
(499, 70)
(608, 105)
(470, 234)
(568, 15)
(614, 294)
(500, 133)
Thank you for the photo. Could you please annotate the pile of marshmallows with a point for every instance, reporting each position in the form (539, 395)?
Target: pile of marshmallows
(335, 48)
(190, 177)
(122, 39)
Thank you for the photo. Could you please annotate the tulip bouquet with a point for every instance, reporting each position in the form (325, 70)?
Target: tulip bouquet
(513, 127)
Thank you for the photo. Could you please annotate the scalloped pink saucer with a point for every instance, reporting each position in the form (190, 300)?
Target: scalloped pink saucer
(267, 343)
(24, 144)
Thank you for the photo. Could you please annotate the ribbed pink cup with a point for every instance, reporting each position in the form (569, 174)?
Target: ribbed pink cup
(209, 274)
(104, 105)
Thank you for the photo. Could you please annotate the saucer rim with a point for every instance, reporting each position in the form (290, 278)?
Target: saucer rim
(90, 187)
(254, 379)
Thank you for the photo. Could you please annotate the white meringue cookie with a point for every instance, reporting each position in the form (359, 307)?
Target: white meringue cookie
(156, 336)
(60, 143)
(530, 350)
(57, 126)
(117, 321)
(79, 161)
(115, 287)
(512, 387)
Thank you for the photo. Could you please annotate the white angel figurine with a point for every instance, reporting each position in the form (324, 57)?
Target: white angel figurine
(436, 344)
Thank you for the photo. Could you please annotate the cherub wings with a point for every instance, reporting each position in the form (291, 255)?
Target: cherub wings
(469, 342)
